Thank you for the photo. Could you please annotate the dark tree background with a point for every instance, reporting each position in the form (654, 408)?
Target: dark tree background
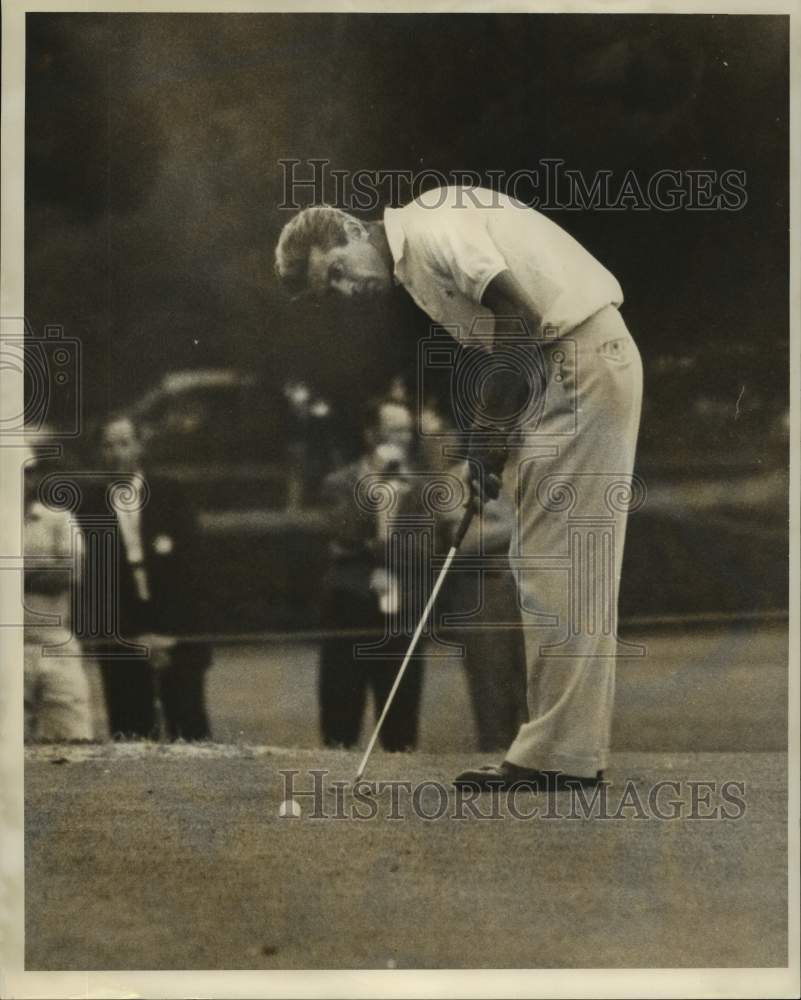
(153, 179)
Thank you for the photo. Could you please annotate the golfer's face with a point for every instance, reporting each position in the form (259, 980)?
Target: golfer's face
(354, 270)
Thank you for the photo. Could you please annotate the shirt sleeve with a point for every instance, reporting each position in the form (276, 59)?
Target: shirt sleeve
(460, 247)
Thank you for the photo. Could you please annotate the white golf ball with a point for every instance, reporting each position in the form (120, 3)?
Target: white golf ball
(289, 807)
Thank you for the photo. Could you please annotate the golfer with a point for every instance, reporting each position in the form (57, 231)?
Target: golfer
(469, 256)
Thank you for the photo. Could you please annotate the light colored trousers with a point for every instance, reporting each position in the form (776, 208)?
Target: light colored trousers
(57, 696)
(575, 488)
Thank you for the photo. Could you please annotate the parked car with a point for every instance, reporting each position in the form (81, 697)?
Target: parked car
(236, 443)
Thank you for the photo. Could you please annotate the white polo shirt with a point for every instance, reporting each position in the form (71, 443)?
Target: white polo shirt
(449, 243)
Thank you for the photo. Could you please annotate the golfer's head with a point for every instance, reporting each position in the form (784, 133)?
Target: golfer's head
(324, 251)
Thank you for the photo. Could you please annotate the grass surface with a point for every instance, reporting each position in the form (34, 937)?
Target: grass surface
(149, 857)
(719, 688)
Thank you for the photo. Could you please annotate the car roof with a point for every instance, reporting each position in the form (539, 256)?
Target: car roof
(202, 378)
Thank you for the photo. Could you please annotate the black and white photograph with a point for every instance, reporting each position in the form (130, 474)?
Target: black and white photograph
(400, 500)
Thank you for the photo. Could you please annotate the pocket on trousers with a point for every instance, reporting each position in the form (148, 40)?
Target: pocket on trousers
(618, 352)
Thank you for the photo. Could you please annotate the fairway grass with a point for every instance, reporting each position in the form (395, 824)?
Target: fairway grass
(148, 856)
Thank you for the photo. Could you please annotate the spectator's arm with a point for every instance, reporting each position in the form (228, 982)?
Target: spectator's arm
(54, 540)
(181, 523)
(350, 528)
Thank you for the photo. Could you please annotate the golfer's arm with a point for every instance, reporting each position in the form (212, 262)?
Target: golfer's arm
(508, 300)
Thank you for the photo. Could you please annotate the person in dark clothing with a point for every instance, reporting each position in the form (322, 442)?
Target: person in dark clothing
(154, 590)
(363, 592)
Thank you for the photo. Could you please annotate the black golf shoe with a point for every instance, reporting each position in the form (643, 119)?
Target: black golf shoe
(506, 776)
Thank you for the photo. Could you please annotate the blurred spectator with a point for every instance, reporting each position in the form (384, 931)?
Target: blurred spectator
(156, 597)
(494, 653)
(360, 593)
(312, 449)
(398, 390)
(57, 702)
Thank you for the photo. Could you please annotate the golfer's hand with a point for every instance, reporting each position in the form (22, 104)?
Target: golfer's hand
(483, 490)
(484, 471)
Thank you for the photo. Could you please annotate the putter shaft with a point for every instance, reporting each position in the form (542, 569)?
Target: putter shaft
(461, 532)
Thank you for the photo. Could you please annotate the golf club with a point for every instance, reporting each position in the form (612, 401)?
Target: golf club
(457, 541)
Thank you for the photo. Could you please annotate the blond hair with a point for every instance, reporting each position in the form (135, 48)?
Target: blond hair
(319, 226)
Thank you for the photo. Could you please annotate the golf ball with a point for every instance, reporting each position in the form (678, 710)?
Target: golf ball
(289, 807)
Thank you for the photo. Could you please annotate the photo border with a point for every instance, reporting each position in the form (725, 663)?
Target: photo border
(14, 982)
